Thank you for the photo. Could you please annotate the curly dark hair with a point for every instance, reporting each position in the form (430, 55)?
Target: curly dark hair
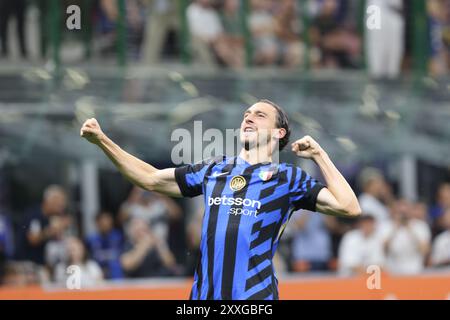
(282, 122)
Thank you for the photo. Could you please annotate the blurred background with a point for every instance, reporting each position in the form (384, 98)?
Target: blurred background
(377, 100)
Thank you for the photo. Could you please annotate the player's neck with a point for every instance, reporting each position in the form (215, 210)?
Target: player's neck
(254, 156)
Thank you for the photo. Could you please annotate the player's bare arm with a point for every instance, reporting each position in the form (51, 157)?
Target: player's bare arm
(338, 198)
(135, 170)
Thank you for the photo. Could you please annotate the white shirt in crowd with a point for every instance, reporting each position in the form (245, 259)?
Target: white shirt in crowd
(371, 205)
(384, 45)
(389, 9)
(155, 213)
(357, 250)
(403, 255)
(441, 249)
(90, 274)
(204, 23)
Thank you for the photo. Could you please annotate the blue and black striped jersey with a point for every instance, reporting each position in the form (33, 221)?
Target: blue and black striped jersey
(246, 209)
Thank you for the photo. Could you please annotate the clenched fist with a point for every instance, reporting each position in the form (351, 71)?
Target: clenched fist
(91, 131)
(307, 148)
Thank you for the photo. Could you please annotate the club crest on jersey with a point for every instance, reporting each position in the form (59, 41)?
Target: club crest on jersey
(265, 175)
(237, 183)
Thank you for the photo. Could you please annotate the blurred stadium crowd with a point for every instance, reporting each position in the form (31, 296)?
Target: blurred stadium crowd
(399, 236)
(288, 33)
(150, 235)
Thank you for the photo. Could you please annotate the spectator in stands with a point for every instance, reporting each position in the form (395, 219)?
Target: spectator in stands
(6, 238)
(193, 234)
(156, 209)
(311, 246)
(90, 271)
(338, 42)
(438, 55)
(7, 245)
(162, 17)
(232, 25)
(385, 46)
(109, 15)
(338, 227)
(146, 255)
(38, 230)
(361, 248)
(442, 204)
(406, 240)
(21, 274)
(376, 194)
(288, 31)
(263, 29)
(231, 19)
(419, 210)
(440, 254)
(106, 245)
(3, 264)
(13, 275)
(107, 12)
(208, 40)
(55, 248)
(135, 23)
(8, 9)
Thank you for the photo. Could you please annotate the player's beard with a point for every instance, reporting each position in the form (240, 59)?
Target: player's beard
(249, 144)
(256, 143)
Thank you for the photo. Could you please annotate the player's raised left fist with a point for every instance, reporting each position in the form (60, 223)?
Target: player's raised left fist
(91, 131)
(306, 147)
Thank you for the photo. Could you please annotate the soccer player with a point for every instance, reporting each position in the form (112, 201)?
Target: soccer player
(248, 200)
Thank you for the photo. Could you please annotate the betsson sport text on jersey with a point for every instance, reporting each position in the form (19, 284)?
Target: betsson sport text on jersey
(254, 205)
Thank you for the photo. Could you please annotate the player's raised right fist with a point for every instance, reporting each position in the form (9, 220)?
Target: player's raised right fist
(91, 131)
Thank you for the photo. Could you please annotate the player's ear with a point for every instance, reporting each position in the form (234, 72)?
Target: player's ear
(280, 133)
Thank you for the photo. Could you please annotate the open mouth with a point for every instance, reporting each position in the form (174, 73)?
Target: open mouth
(249, 129)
